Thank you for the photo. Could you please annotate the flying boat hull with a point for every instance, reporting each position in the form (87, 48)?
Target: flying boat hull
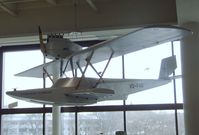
(64, 91)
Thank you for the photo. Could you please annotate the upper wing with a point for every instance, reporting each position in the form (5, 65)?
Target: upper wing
(142, 38)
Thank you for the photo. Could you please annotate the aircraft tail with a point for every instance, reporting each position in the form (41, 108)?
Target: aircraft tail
(168, 65)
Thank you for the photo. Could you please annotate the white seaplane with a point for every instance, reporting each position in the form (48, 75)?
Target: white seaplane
(69, 56)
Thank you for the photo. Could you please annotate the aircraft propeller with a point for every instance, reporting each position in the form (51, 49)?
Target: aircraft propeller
(42, 45)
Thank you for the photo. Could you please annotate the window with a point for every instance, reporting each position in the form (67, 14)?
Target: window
(181, 126)
(15, 62)
(178, 72)
(104, 117)
(96, 123)
(145, 64)
(67, 124)
(22, 124)
(150, 123)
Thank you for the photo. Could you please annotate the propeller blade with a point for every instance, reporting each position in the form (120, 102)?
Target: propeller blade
(42, 45)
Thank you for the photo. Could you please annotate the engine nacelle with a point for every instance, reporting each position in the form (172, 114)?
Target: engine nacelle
(59, 47)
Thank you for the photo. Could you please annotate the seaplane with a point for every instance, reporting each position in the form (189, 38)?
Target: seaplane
(68, 56)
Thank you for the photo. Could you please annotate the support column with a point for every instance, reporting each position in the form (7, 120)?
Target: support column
(190, 80)
(56, 120)
(56, 111)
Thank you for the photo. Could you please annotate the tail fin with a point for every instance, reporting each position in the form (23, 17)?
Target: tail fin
(168, 65)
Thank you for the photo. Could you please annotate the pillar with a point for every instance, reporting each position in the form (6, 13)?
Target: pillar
(190, 79)
(56, 110)
(56, 120)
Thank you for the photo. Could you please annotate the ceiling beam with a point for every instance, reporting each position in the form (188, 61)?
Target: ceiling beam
(52, 2)
(9, 8)
(92, 5)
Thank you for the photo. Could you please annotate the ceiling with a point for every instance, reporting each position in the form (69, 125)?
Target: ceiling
(88, 19)
(14, 7)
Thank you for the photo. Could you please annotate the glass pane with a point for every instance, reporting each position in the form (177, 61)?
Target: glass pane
(22, 124)
(150, 123)
(67, 124)
(48, 126)
(177, 53)
(145, 65)
(179, 92)
(15, 62)
(181, 126)
(178, 71)
(106, 123)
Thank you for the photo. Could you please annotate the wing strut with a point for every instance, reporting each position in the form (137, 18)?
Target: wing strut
(70, 61)
(98, 73)
(88, 59)
(104, 69)
(61, 67)
(48, 75)
(71, 64)
(66, 66)
(77, 63)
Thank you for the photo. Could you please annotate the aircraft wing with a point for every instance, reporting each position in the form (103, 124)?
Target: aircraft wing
(140, 39)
